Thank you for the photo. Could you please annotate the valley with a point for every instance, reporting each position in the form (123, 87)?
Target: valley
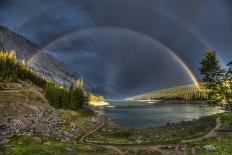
(55, 96)
(86, 132)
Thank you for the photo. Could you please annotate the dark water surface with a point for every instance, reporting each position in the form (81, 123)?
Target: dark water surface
(140, 114)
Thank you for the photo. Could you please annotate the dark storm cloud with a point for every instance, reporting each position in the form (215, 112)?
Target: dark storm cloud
(124, 60)
(187, 27)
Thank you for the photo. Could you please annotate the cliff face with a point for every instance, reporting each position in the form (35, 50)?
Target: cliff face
(41, 62)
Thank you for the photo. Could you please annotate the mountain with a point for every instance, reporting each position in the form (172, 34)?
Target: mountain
(41, 62)
(44, 63)
(185, 92)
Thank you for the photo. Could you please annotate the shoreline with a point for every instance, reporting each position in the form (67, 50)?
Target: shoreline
(174, 101)
(98, 104)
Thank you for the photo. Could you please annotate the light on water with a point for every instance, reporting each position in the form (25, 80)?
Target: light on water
(139, 114)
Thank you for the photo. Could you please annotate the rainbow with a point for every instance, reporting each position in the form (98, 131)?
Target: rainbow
(171, 51)
(188, 70)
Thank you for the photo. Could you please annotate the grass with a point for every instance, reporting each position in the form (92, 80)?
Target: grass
(78, 117)
(171, 134)
(120, 134)
(26, 145)
(226, 119)
(222, 142)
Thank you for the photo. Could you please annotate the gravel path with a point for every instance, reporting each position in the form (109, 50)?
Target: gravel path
(212, 133)
(101, 125)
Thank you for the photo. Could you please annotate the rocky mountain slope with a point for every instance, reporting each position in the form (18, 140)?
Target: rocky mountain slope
(44, 63)
(38, 60)
(24, 109)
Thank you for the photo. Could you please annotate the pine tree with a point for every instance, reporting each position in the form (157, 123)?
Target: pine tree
(213, 76)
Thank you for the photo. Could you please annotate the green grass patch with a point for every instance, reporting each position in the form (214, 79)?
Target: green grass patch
(226, 119)
(119, 134)
(27, 145)
(78, 117)
(222, 144)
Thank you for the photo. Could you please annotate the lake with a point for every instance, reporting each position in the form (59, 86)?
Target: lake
(141, 114)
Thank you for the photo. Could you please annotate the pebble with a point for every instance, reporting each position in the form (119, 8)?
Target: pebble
(209, 148)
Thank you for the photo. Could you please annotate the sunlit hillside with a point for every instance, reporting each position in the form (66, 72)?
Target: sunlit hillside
(187, 92)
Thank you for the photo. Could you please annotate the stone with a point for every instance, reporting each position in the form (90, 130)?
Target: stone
(138, 141)
(70, 148)
(37, 140)
(4, 141)
(73, 125)
(209, 148)
(66, 133)
(183, 149)
(47, 143)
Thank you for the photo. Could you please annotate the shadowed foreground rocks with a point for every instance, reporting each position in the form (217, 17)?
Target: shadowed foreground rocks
(24, 110)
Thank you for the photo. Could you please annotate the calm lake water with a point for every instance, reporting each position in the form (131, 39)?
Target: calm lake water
(138, 114)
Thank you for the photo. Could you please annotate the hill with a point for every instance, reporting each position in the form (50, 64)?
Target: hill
(186, 92)
(43, 63)
(24, 109)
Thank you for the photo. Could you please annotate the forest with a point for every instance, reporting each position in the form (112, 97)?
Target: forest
(67, 97)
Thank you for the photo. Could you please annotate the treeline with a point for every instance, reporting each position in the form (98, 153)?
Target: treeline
(66, 97)
(188, 92)
(190, 95)
(12, 69)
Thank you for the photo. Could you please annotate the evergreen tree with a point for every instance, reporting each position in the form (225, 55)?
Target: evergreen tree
(12, 69)
(213, 77)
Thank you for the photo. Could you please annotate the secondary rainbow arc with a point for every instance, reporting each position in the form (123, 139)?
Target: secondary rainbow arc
(171, 51)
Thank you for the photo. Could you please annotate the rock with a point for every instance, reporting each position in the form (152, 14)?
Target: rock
(73, 125)
(138, 141)
(37, 140)
(4, 141)
(183, 149)
(47, 143)
(65, 139)
(167, 147)
(70, 148)
(209, 148)
(66, 134)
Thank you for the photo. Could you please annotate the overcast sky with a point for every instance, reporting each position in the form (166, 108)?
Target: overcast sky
(123, 44)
